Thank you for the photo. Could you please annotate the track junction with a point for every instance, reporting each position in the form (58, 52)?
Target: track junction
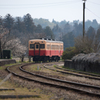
(81, 88)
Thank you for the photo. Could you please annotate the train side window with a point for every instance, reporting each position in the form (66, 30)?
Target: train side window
(48, 46)
(61, 47)
(57, 47)
(31, 46)
(52, 47)
(42, 46)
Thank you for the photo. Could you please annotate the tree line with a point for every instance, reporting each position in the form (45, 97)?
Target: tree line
(16, 32)
(67, 32)
(90, 43)
(25, 25)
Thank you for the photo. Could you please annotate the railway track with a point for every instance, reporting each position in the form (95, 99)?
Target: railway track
(63, 84)
(86, 73)
(17, 96)
(75, 73)
(12, 96)
(7, 89)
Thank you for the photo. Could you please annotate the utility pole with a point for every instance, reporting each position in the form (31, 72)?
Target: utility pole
(83, 17)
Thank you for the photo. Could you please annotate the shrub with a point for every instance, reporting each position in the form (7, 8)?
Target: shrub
(69, 53)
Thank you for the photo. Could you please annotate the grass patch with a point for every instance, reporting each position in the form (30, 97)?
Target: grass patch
(16, 63)
(12, 64)
(36, 92)
(33, 67)
(38, 68)
(67, 68)
(54, 65)
(2, 68)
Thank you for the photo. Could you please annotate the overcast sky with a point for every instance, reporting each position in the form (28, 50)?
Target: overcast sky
(58, 10)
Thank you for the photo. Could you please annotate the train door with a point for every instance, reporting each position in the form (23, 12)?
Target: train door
(37, 49)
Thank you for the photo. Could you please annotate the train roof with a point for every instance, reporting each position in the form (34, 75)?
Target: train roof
(47, 40)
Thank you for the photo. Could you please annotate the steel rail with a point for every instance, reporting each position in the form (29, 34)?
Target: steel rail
(18, 96)
(78, 72)
(7, 89)
(58, 86)
(80, 75)
(59, 80)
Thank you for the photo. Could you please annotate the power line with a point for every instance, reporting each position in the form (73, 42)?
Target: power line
(94, 3)
(40, 5)
(92, 12)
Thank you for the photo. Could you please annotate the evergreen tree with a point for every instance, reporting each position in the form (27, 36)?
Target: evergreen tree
(8, 22)
(48, 32)
(57, 32)
(90, 33)
(67, 28)
(98, 34)
(1, 20)
(56, 29)
(39, 29)
(68, 40)
(29, 25)
(78, 29)
(19, 25)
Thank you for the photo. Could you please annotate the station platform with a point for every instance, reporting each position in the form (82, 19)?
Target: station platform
(6, 61)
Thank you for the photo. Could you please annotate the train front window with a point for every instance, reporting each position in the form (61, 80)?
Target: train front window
(37, 46)
(42, 46)
(31, 46)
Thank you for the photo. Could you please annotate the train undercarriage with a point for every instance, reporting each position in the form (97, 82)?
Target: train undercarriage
(46, 58)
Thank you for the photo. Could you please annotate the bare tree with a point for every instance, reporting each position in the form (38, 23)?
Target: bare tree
(8, 42)
(15, 46)
(86, 44)
(3, 32)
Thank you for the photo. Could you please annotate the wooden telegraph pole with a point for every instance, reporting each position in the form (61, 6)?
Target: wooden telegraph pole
(83, 17)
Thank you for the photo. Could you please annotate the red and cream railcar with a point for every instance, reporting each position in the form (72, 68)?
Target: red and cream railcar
(43, 50)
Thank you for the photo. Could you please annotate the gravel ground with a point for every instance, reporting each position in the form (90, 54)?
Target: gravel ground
(18, 59)
(50, 93)
(46, 72)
